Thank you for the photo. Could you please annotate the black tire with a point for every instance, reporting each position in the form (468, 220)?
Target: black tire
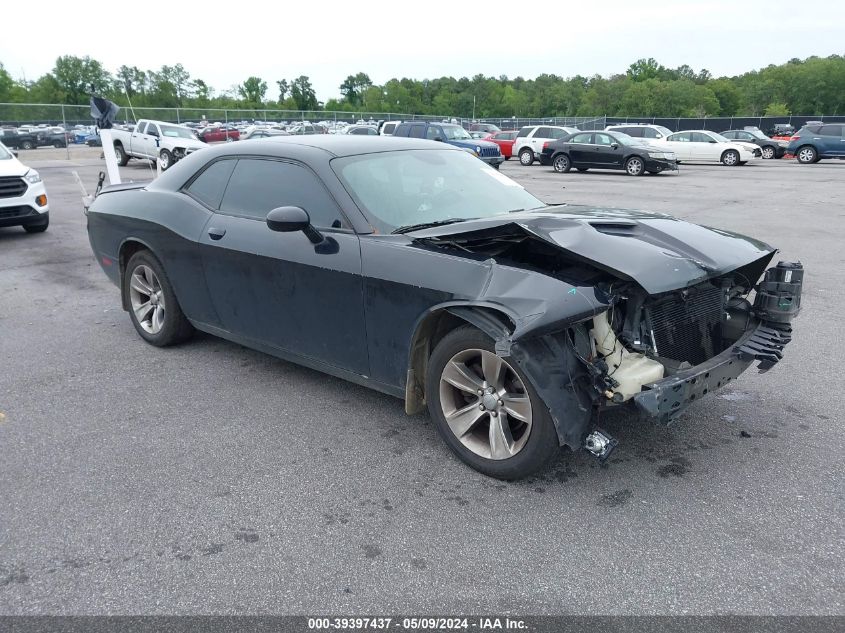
(561, 163)
(768, 152)
(497, 165)
(122, 157)
(176, 328)
(542, 443)
(730, 158)
(58, 145)
(37, 228)
(526, 156)
(165, 160)
(806, 155)
(634, 166)
(27, 145)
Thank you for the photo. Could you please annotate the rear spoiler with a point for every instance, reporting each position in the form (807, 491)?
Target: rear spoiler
(88, 200)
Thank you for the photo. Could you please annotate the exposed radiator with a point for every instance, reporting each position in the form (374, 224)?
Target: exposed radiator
(688, 329)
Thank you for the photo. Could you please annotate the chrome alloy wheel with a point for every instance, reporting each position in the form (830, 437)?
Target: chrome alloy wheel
(485, 404)
(147, 299)
(730, 158)
(768, 152)
(634, 166)
(807, 155)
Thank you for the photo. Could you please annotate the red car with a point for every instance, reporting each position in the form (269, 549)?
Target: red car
(214, 134)
(505, 141)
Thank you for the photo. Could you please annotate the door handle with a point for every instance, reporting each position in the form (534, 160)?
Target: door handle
(216, 234)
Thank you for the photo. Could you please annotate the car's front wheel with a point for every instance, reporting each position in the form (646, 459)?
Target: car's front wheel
(153, 307)
(526, 157)
(561, 163)
(730, 158)
(807, 155)
(165, 160)
(768, 152)
(37, 228)
(634, 166)
(485, 408)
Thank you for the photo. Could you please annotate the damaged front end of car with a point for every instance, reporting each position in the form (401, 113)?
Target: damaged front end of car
(682, 321)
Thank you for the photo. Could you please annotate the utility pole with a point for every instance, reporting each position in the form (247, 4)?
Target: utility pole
(473, 108)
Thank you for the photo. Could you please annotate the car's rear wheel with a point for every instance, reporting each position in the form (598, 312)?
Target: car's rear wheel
(122, 156)
(635, 166)
(57, 144)
(165, 160)
(526, 157)
(153, 307)
(485, 409)
(807, 155)
(768, 152)
(561, 163)
(229, 139)
(27, 145)
(730, 158)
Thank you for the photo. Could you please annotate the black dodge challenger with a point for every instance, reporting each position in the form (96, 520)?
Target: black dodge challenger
(419, 271)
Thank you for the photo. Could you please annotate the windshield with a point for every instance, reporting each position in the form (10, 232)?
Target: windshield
(403, 188)
(4, 153)
(665, 131)
(757, 134)
(719, 137)
(176, 132)
(456, 133)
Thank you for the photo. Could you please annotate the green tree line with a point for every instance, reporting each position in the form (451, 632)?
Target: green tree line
(648, 89)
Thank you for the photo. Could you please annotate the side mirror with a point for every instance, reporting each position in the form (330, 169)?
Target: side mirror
(615, 145)
(712, 140)
(292, 219)
(438, 138)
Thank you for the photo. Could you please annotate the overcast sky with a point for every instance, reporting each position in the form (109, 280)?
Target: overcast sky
(329, 40)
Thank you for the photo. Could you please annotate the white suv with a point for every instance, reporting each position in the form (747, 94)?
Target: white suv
(528, 144)
(641, 130)
(23, 199)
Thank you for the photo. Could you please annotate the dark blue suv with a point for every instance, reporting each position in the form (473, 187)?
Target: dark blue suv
(453, 135)
(813, 142)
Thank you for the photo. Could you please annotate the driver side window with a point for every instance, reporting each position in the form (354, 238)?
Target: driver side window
(258, 186)
(604, 139)
(434, 132)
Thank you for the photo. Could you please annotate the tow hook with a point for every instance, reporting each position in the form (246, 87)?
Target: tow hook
(600, 444)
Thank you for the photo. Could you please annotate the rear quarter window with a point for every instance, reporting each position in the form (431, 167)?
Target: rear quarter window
(524, 131)
(209, 186)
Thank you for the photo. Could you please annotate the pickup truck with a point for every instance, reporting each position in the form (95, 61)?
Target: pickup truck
(155, 140)
(453, 135)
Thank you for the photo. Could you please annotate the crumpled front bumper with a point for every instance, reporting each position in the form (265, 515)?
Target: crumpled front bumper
(668, 397)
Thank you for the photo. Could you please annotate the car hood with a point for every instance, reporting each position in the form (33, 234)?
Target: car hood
(659, 252)
(189, 143)
(12, 167)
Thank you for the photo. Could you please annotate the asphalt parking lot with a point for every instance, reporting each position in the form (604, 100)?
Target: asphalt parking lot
(209, 478)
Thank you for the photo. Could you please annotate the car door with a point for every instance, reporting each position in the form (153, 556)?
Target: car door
(581, 149)
(137, 144)
(605, 154)
(280, 289)
(704, 147)
(680, 143)
(831, 143)
(540, 136)
(150, 140)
